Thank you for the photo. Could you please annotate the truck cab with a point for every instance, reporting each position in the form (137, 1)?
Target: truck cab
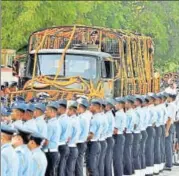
(91, 66)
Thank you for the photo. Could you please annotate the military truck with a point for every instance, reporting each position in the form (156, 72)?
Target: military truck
(66, 61)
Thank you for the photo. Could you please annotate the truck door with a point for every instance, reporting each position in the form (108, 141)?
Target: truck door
(107, 75)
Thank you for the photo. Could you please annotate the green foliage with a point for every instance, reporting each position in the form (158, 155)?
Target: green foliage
(158, 19)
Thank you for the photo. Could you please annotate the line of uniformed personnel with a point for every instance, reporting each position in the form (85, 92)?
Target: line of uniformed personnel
(126, 136)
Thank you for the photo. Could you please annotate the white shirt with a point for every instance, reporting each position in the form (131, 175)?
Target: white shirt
(171, 111)
(170, 90)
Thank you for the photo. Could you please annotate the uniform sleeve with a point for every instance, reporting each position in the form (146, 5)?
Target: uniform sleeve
(36, 168)
(124, 121)
(137, 118)
(117, 121)
(69, 133)
(44, 129)
(84, 127)
(106, 125)
(170, 112)
(154, 115)
(56, 132)
(93, 126)
(21, 163)
(4, 165)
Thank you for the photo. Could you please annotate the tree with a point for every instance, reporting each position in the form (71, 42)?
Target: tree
(158, 19)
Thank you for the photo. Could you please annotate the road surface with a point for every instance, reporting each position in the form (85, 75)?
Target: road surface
(174, 172)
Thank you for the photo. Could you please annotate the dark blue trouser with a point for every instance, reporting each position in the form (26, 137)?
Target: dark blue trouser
(118, 154)
(128, 159)
(162, 144)
(142, 148)
(64, 152)
(109, 156)
(157, 151)
(136, 151)
(92, 156)
(80, 160)
(168, 148)
(102, 157)
(71, 161)
(149, 149)
(177, 131)
(53, 159)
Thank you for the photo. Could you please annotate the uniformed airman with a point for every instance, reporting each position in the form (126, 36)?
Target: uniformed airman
(39, 161)
(102, 139)
(64, 123)
(19, 141)
(18, 113)
(93, 147)
(141, 112)
(176, 157)
(129, 138)
(158, 134)
(83, 117)
(151, 119)
(9, 158)
(171, 112)
(164, 109)
(5, 114)
(53, 135)
(40, 118)
(119, 138)
(30, 122)
(74, 137)
(110, 106)
(137, 135)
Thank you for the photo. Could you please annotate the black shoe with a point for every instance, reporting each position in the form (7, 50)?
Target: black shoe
(161, 171)
(176, 164)
(168, 169)
(156, 173)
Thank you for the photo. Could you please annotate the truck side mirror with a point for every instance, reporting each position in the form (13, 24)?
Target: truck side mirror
(103, 70)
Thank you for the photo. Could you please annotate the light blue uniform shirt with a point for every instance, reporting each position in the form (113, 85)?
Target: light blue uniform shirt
(141, 112)
(39, 162)
(120, 121)
(152, 115)
(163, 113)
(84, 126)
(159, 115)
(136, 116)
(139, 119)
(75, 131)
(41, 125)
(9, 161)
(17, 123)
(104, 124)
(131, 120)
(53, 133)
(96, 127)
(25, 160)
(145, 111)
(31, 125)
(171, 111)
(111, 124)
(64, 123)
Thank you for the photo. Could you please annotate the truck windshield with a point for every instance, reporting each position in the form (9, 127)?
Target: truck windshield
(74, 65)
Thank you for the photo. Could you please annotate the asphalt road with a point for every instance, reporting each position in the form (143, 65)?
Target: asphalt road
(174, 172)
